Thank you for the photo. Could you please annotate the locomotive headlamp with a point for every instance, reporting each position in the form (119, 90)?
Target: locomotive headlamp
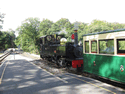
(63, 41)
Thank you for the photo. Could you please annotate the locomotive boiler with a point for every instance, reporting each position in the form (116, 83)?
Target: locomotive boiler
(66, 54)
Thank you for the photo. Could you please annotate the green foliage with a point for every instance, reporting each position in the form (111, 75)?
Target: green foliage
(94, 46)
(121, 45)
(54, 28)
(97, 26)
(1, 20)
(29, 35)
(31, 29)
(6, 40)
(45, 25)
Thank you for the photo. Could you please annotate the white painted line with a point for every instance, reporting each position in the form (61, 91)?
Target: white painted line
(3, 62)
(3, 73)
(91, 83)
(49, 73)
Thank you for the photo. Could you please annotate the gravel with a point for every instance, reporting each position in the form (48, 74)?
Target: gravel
(49, 66)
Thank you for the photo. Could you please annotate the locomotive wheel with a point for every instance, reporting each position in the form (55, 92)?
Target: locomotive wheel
(50, 59)
(61, 62)
(41, 56)
(68, 65)
(44, 58)
(57, 64)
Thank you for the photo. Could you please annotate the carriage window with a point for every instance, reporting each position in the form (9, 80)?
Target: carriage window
(86, 46)
(121, 46)
(106, 46)
(94, 46)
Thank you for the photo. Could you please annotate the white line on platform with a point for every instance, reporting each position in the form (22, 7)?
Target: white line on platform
(3, 73)
(3, 62)
(90, 83)
(49, 73)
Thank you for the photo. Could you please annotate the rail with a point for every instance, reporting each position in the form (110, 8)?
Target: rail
(6, 53)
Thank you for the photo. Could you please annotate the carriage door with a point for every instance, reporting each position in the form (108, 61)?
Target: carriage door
(87, 58)
(121, 58)
(94, 57)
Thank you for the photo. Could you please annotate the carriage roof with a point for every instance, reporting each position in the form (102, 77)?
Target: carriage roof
(103, 32)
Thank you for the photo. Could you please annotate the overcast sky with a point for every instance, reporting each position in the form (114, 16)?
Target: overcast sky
(80, 10)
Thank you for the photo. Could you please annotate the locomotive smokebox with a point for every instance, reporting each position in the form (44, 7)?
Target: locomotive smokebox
(76, 37)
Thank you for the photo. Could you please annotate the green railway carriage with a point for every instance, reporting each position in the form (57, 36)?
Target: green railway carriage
(104, 54)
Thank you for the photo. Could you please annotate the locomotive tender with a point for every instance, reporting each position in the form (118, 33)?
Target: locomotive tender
(56, 48)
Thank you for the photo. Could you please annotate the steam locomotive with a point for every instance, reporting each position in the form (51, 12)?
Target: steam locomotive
(65, 54)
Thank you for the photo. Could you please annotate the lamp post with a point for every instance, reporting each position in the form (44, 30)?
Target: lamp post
(21, 39)
(13, 43)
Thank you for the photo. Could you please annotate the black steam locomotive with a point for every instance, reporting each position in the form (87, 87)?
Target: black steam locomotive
(56, 48)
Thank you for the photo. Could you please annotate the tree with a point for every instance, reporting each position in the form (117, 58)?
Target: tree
(1, 19)
(116, 25)
(31, 29)
(6, 39)
(61, 24)
(97, 26)
(54, 28)
(29, 35)
(44, 27)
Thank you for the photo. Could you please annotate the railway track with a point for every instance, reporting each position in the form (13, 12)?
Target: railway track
(102, 79)
(4, 56)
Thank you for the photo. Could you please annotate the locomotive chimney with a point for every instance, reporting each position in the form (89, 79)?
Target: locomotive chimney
(75, 34)
(76, 37)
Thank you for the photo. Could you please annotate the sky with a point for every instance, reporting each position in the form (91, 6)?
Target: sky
(75, 10)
